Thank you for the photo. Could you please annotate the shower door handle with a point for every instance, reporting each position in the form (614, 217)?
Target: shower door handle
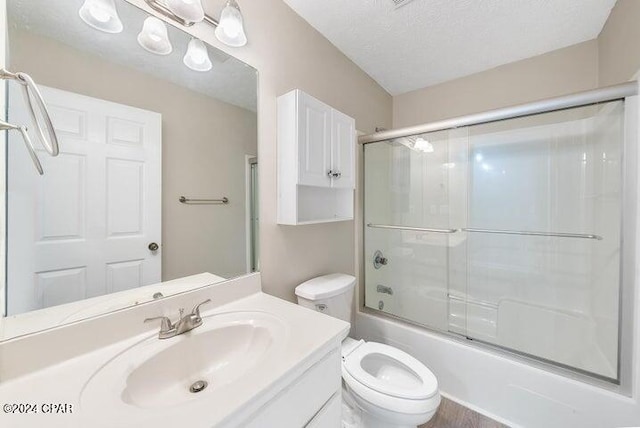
(414, 229)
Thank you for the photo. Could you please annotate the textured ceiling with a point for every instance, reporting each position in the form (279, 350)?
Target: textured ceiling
(230, 80)
(425, 42)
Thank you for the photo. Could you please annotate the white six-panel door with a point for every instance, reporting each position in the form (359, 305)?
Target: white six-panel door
(83, 229)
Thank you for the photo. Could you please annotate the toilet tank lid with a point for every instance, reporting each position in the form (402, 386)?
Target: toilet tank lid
(325, 286)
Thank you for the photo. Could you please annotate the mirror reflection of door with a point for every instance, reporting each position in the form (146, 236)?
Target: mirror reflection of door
(84, 228)
(80, 237)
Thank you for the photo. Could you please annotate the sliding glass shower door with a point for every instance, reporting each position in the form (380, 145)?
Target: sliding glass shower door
(506, 233)
(410, 188)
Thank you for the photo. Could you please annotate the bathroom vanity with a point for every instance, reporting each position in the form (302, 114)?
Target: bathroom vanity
(255, 361)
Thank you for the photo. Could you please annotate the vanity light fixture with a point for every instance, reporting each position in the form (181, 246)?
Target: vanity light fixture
(101, 15)
(154, 36)
(197, 56)
(189, 10)
(229, 30)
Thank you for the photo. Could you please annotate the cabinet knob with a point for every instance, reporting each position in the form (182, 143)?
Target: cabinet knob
(334, 174)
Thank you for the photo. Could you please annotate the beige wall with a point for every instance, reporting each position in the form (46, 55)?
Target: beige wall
(204, 143)
(288, 54)
(619, 43)
(555, 73)
(613, 57)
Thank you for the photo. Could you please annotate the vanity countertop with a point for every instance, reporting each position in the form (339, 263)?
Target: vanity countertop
(309, 335)
(34, 321)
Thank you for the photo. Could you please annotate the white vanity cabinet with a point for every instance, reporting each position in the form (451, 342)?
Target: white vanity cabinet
(313, 399)
(316, 161)
(291, 377)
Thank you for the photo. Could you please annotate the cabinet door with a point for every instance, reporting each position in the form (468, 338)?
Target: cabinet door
(330, 416)
(343, 130)
(314, 142)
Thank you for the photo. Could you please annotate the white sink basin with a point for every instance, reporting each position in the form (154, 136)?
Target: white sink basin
(156, 373)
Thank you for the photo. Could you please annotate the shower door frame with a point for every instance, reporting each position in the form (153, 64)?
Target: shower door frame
(627, 92)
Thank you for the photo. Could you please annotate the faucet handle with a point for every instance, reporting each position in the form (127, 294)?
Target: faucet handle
(196, 308)
(165, 325)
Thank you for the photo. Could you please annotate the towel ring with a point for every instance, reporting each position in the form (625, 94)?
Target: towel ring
(32, 96)
(27, 142)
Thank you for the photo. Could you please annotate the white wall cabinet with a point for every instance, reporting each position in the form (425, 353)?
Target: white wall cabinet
(313, 137)
(343, 144)
(316, 161)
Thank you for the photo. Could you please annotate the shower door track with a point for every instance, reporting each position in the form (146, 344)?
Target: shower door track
(579, 99)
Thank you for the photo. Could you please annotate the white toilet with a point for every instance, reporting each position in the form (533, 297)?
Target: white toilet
(383, 387)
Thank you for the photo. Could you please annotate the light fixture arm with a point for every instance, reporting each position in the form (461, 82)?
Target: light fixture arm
(159, 7)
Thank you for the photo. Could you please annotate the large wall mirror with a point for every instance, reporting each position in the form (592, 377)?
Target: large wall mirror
(154, 190)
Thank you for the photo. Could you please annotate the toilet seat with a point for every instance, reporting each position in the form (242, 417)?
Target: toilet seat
(390, 371)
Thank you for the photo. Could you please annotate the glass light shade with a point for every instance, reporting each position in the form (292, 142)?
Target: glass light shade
(101, 15)
(230, 30)
(197, 56)
(189, 10)
(154, 37)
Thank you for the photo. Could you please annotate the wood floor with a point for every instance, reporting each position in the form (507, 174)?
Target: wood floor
(453, 415)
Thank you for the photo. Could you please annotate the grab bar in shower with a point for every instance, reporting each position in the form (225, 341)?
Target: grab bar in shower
(529, 233)
(415, 229)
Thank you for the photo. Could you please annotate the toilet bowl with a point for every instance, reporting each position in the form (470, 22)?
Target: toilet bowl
(389, 386)
(382, 385)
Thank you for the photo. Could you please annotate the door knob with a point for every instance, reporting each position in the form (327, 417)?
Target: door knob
(153, 246)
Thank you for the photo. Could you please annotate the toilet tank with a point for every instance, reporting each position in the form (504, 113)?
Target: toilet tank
(330, 294)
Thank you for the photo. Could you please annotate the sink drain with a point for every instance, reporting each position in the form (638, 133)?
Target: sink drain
(198, 386)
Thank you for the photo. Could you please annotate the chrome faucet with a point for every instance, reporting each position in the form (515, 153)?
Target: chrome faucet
(183, 325)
